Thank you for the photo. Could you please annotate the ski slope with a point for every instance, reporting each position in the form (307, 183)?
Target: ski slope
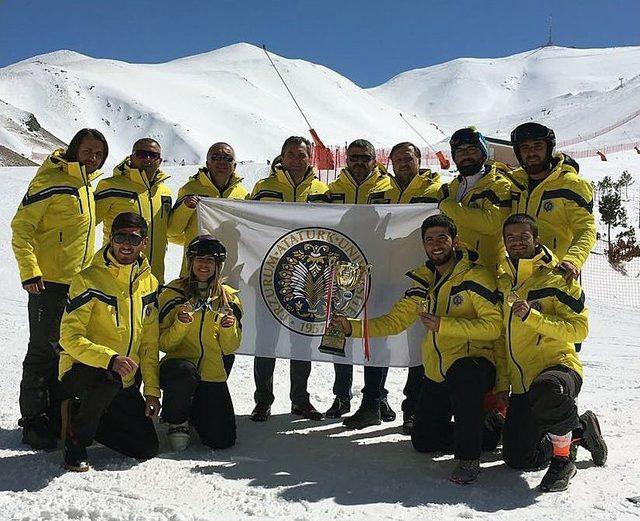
(297, 469)
(230, 94)
(233, 94)
(573, 91)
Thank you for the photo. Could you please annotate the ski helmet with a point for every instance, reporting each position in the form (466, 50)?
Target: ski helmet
(532, 130)
(207, 245)
(469, 136)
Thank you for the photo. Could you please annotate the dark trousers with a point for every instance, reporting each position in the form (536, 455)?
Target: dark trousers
(548, 407)
(412, 389)
(461, 395)
(108, 413)
(40, 391)
(373, 391)
(227, 361)
(299, 371)
(207, 405)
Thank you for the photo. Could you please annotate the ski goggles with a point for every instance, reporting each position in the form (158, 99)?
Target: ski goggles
(221, 157)
(147, 154)
(128, 238)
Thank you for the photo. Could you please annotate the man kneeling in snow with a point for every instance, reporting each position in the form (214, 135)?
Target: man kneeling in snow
(544, 316)
(109, 336)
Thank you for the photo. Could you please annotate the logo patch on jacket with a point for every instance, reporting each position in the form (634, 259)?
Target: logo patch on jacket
(547, 206)
(457, 300)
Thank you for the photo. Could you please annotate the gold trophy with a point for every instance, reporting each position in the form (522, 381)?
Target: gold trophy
(425, 305)
(347, 276)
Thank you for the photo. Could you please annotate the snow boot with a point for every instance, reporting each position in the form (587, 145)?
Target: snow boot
(466, 471)
(387, 414)
(178, 435)
(36, 432)
(339, 407)
(592, 439)
(558, 475)
(363, 417)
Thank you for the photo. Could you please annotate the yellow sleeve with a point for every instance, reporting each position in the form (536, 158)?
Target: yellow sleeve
(487, 325)
(488, 220)
(149, 355)
(570, 323)
(583, 225)
(102, 205)
(73, 328)
(172, 331)
(502, 370)
(230, 337)
(24, 224)
(179, 219)
(402, 315)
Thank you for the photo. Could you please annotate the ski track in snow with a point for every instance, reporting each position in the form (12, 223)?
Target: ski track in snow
(298, 469)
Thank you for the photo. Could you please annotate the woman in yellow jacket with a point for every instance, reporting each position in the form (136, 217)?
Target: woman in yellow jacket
(53, 240)
(199, 323)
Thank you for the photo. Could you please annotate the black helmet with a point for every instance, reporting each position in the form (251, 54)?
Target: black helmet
(532, 130)
(207, 245)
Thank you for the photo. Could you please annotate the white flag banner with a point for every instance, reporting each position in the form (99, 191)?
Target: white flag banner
(279, 256)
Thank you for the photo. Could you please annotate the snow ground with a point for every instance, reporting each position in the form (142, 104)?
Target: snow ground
(289, 468)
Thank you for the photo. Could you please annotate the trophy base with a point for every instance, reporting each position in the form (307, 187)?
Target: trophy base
(332, 351)
(332, 345)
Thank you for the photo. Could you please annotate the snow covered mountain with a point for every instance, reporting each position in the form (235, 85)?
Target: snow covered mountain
(21, 131)
(231, 94)
(574, 91)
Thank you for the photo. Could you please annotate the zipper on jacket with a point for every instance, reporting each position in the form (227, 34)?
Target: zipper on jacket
(435, 309)
(538, 341)
(60, 236)
(131, 315)
(151, 228)
(200, 341)
(524, 388)
(90, 229)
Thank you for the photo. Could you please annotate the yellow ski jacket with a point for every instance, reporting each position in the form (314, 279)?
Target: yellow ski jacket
(183, 222)
(129, 190)
(202, 341)
(53, 229)
(557, 321)
(480, 214)
(423, 188)
(112, 310)
(373, 190)
(562, 204)
(467, 303)
(280, 187)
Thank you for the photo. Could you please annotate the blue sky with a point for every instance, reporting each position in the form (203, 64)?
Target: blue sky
(369, 42)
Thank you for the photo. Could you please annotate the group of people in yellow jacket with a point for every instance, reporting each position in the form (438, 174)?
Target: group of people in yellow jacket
(109, 308)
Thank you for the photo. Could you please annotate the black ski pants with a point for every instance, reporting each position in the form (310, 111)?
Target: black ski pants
(460, 395)
(207, 405)
(108, 413)
(40, 390)
(548, 407)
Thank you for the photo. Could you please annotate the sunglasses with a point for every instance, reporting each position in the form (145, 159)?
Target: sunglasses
(359, 158)
(129, 238)
(221, 157)
(147, 154)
